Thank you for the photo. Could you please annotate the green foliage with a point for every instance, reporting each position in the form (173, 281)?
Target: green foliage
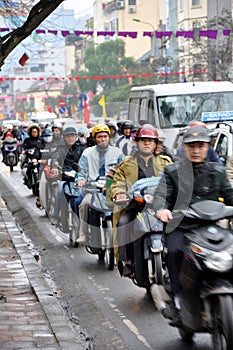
(106, 59)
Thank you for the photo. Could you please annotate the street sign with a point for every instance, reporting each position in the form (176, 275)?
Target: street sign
(61, 103)
(62, 109)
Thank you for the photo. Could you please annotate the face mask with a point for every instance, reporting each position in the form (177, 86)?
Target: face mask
(82, 140)
(48, 139)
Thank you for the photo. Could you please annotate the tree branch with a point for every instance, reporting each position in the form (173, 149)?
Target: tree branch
(36, 16)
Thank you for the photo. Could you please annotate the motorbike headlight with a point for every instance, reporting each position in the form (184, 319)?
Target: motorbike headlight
(148, 198)
(219, 261)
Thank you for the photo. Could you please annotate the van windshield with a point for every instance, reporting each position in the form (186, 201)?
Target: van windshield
(181, 110)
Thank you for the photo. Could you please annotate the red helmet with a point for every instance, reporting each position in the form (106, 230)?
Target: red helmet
(197, 123)
(146, 131)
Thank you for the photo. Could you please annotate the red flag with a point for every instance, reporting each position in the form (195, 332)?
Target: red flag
(87, 115)
(86, 112)
(23, 59)
(84, 104)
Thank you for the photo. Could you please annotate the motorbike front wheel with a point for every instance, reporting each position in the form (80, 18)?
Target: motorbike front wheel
(109, 254)
(74, 230)
(52, 193)
(11, 164)
(158, 268)
(64, 224)
(35, 184)
(222, 318)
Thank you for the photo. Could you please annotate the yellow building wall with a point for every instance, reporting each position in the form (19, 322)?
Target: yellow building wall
(146, 11)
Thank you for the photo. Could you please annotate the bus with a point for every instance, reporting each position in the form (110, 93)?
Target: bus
(172, 107)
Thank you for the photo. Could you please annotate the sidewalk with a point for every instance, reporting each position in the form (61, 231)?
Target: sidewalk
(30, 315)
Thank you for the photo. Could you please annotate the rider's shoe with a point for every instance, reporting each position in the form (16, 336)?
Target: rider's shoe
(38, 203)
(176, 320)
(128, 271)
(54, 221)
(82, 239)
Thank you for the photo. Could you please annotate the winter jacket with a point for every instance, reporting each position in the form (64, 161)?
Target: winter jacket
(125, 144)
(30, 143)
(183, 184)
(90, 162)
(65, 156)
(128, 173)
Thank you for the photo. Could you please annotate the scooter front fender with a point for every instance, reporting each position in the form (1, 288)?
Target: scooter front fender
(218, 287)
(152, 243)
(156, 242)
(11, 159)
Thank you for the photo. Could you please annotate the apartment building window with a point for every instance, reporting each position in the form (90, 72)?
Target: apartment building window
(38, 68)
(106, 26)
(114, 25)
(196, 28)
(197, 70)
(181, 5)
(196, 3)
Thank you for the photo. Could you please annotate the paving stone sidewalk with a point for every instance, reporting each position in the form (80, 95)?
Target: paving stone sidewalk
(31, 317)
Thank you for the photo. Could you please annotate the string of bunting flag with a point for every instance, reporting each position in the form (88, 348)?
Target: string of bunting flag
(104, 77)
(211, 34)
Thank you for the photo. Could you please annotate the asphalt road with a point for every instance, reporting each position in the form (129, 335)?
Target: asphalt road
(110, 311)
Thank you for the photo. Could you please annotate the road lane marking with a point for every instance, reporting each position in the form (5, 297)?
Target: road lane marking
(54, 233)
(131, 326)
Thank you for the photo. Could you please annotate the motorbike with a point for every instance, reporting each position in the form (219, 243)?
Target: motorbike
(63, 217)
(101, 238)
(148, 231)
(48, 188)
(74, 196)
(206, 276)
(30, 170)
(10, 152)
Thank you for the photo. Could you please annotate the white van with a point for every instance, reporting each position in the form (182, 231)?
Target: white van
(174, 106)
(41, 117)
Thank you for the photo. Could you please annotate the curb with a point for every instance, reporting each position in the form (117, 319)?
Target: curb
(67, 337)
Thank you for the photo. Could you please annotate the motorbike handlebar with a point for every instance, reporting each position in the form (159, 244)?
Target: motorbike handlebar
(122, 201)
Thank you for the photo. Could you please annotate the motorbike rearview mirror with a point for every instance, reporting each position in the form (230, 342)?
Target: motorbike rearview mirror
(76, 167)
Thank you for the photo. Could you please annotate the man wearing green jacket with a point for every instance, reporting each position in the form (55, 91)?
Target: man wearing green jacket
(143, 164)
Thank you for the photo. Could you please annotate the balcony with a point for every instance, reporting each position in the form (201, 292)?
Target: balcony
(110, 7)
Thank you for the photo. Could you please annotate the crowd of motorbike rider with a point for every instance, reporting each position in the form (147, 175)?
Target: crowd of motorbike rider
(132, 152)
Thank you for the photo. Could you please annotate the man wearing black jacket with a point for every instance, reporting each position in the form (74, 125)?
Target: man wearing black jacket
(189, 180)
(67, 153)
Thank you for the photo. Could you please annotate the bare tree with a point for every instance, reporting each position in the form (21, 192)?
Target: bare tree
(211, 59)
(36, 15)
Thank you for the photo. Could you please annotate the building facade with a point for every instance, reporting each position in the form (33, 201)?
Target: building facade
(130, 16)
(200, 56)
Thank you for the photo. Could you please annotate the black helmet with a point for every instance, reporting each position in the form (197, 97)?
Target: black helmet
(120, 122)
(135, 127)
(126, 125)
